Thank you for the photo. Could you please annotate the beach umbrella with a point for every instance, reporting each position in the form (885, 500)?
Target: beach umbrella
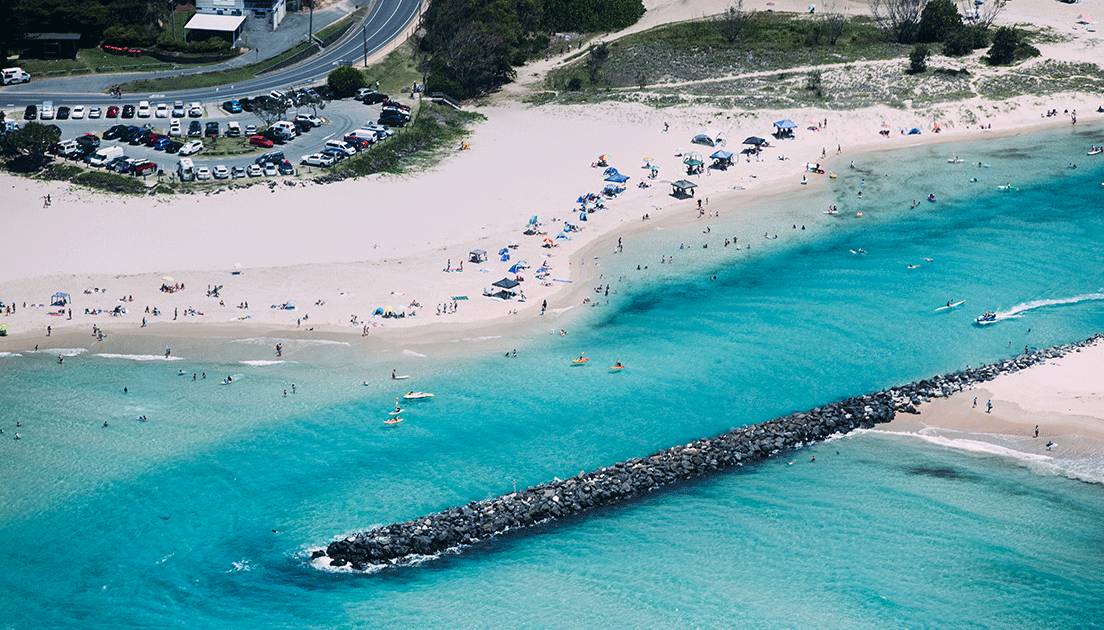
(754, 140)
(603, 158)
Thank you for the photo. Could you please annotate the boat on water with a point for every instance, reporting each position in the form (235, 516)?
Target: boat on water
(393, 420)
(579, 361)
(1094, 150)
(931, 198)
(951, 305)
(417, 395)
(987, 318)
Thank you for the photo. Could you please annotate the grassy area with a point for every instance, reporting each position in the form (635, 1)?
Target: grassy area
(395, 72)
(91, 60)
(333, 28)
(437, 130)
(111, 182)
(208, 79)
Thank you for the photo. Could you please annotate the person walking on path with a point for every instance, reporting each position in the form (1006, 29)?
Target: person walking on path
(988, 406)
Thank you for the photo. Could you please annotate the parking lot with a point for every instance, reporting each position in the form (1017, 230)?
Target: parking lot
(339, 118)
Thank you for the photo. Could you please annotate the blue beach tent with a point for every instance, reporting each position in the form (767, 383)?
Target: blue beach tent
(617, 177)
(721, 154)
(785, 124)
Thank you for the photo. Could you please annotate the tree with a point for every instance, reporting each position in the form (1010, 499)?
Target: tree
(345, 81)
(938, 21)
(1009, 47)
(898, 18)
(269, 110)
(733, 21)
(832, 23)
(918, 59)
(983, 15)
(28, 146)
(965, 41)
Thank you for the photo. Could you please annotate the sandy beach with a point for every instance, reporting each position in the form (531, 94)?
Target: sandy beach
(344, 250)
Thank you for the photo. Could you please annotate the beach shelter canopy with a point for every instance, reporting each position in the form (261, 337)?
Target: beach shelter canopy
(785, 124)
(683, 189)
(710, 137)
(617, 177)
(756, 140)
(721, 154)
(1085, 18)
(684, 185)
(59, 299)
(505, 283)
(477, 256)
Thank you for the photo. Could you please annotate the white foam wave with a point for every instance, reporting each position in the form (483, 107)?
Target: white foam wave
(240, 566)
(411, 353)
(139, 357)
(65, 352)
(1022, 308)
(9, 354)
(260, 363)
(272, 341)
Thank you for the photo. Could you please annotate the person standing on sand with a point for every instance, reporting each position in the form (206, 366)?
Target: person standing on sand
(988, 406)
(975, 402)
(1036, 430)
(48, 331)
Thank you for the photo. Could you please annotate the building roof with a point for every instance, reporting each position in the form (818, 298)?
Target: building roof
(49, 36)
(208, 22)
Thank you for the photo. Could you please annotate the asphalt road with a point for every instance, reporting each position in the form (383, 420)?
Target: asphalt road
(385, 22)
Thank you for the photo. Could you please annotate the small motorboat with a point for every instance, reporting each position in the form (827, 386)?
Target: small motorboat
(417, 395)
(1095, 150)
(987, 318)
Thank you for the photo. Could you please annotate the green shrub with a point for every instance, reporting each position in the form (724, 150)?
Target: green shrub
(345, 81)
(918, 59)
(111, 182)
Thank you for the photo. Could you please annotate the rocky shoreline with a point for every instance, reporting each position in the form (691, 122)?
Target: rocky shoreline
(467, 525)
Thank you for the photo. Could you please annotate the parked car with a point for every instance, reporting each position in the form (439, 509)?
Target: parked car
(381, 130)
(77, 113)
(144, 109)
(237, 172)
(221, 172)
(195, 110)
(336, 154)
(275, 135)
(279, 96)
(141, 138)
(342, 146)
(363, 93)
(285, 168)
(151, 139)
(250, 130)
(233, 107)
(174, 128)
(315, 121)
(254, 170)
(246, 104)
(395, 111)
(191, 147)
(114, 132)
(271, 156)
(270, 170)
(113, 111)
(173, 146)
(117, 164)
(203, 173)
(161, 143)
(302, 126)
(195, 129)
(396, 105)
(46, 110)
(95, 112)
(162, 110)
(260, 141)
(63, 113)
(178, 109)
(88, 140)
(128, 111)
(233, 129)
(317, 159)
(130, 133)
(359, 144)
(393, 120)
(212, 130)
(142, 168)
(31, 113)
(374, 98)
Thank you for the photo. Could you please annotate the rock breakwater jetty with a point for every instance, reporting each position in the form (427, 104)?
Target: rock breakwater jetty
(457, 527)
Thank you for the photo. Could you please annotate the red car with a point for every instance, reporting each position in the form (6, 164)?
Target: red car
(113, 112)
(391, 103)
(358, 143)
(260, 141)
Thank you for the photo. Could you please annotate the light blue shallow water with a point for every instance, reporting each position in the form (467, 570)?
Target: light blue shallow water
(170, 522)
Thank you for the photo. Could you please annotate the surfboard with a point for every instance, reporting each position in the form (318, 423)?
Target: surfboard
(400, 377)
(947, 308)
(395, 412)
(393, 421)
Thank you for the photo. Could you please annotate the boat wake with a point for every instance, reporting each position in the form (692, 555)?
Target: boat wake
(1020, 309)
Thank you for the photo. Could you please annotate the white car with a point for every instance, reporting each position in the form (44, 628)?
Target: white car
(315, 121)
(162, 110)
(144, 109)
(46, 112)
(191, 147)
(270, 170)
(221, 172)
(254, 170)
(251, 130)
(178, 109)
(195, 110)
(378, 128)
(77, 113)
(95, 112)
(203, 173)
(318, 159)
(174, 128)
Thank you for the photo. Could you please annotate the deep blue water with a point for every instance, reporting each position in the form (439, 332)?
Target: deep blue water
(170, 522)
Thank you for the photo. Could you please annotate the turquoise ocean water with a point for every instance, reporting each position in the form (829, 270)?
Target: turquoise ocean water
(203, 516)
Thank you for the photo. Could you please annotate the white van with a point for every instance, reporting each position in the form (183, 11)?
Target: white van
(66, 147)
(366, 134)
(340, 145)
(105, 155)
(15, 75)
(185, 169)
(285, 128)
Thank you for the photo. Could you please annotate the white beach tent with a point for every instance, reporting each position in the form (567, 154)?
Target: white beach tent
(710, 137)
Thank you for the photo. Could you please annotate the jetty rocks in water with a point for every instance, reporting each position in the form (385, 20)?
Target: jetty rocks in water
(453, 528)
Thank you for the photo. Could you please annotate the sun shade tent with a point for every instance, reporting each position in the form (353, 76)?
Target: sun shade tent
(477, 256)
(914, 132)
(617, 177)
(710, 137)
(755, 140)
(59, 299)
(505, 283)
(683, 189)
